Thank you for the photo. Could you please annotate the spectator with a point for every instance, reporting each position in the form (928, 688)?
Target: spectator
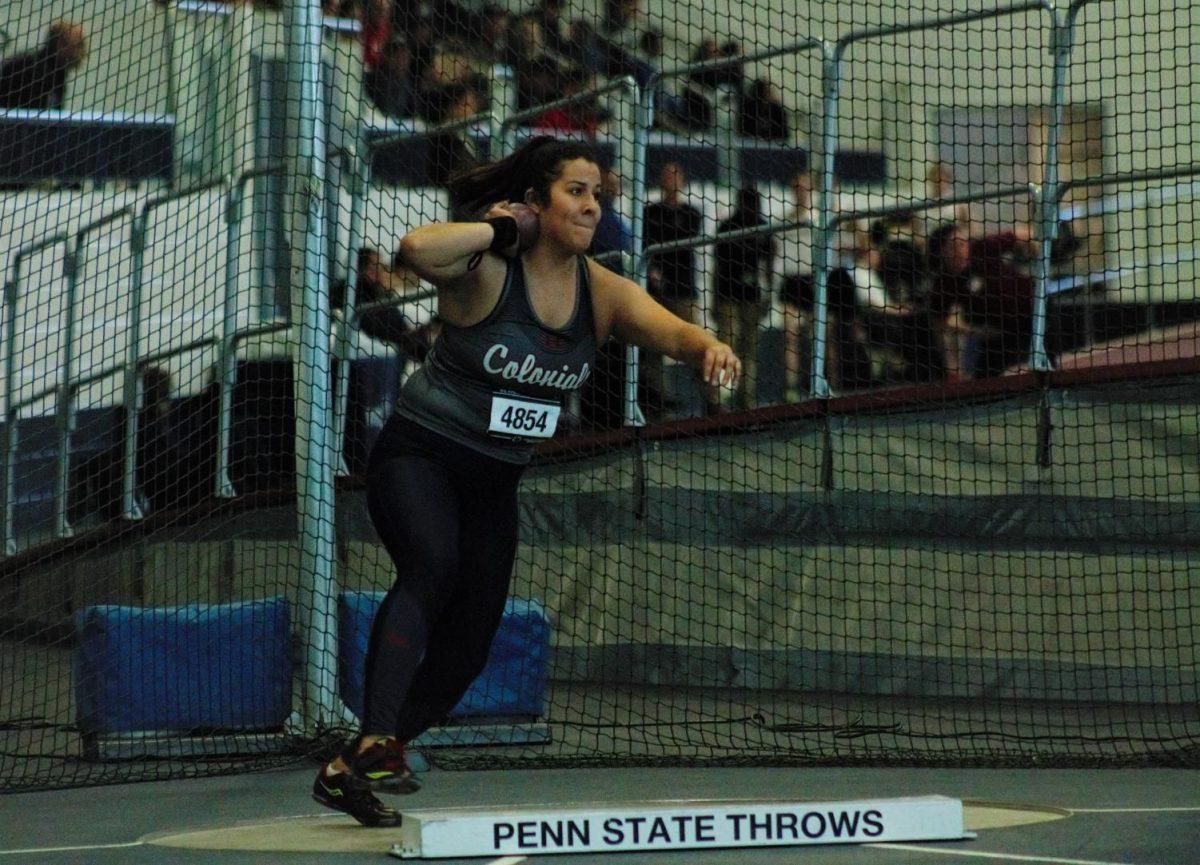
(903, 342)
(585, 47)
(175, 454)
(668, 104)
(693, 110)
(796, 285)
(352, 9)
(376, 28)
(494, 31)
(619, 43)
(613, 232)
(377, 283)
(38, 79)
(548, 17)
(982, 296)
(449, 65)
(162, 473)
(454, 151)
(743, 269)
(539, 71)
(389, 83)
(672, 275)
(583, 116)
(761, 114)
(395, 324)
(650, 46)
(939, 184)
(452, 22)
(621, 24)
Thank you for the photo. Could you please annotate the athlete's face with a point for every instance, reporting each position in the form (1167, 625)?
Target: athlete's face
(572, 211)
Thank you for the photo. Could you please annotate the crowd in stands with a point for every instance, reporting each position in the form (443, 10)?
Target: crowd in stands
(916, 298)
(419, 55)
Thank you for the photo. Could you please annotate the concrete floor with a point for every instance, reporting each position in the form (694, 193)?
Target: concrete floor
(1089, 817)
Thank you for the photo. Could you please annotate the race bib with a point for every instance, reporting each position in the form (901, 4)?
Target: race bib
(526, 418)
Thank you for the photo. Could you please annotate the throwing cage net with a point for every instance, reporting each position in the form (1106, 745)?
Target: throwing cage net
(949, 517)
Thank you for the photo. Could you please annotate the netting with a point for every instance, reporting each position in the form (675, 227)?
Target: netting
(948, 518)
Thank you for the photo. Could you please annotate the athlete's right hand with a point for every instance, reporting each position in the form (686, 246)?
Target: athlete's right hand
(527, 225)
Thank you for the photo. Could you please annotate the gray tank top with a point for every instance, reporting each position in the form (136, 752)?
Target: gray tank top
(498, 386)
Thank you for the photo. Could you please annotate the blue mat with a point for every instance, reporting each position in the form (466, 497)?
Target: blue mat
(182, 668)
(512, 683)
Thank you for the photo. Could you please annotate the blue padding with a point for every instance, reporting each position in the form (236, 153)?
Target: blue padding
(512, 683)
(180, 668)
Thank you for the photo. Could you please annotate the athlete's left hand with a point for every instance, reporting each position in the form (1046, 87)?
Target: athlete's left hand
(721, 366)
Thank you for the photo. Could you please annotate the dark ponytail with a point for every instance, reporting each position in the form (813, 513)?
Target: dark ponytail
(535, 165)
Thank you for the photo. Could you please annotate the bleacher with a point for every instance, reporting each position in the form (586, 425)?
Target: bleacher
(114, 160)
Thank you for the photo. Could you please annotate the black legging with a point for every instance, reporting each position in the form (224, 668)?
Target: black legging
(448, 517)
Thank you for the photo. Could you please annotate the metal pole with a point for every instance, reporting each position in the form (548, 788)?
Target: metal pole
(314, 463)
(226, 358)
(638, 263)
(227, 355)
(504, 104)
(831, 75)
(63, 414)
(1047, 199)
(171, 97)
(130, 509)
(8, 457)
(629, 113)
(729, 161)
(359, 173)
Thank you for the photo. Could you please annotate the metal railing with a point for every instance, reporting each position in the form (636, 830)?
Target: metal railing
(501, 125)
(69, 385)
(643, 123)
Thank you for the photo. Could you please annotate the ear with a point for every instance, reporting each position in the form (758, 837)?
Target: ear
(531, 199)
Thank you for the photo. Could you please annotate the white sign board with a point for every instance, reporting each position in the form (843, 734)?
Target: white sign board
(684, 825)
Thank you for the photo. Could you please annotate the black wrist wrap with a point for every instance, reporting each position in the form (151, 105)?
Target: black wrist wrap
(505, 228)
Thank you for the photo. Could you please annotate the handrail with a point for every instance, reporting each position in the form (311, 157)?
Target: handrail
(623, 82)
(226, 363)
(1062, 284)
(1122, 202)
(9, 456)
(951, 20)
(1118, 178)
(130, 509)
(65, 413)
(359, 171)
(69, 385)
(389, 302)
(475, 120)
(9, 546)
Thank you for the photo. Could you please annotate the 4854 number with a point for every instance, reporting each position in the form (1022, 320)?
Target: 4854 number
(527, 419)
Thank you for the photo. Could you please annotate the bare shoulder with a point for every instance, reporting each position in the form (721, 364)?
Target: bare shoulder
(620, 304)
(609, 286)
(609, 292)
(467, 299)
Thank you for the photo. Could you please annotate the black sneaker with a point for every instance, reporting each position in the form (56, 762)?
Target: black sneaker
(343, 792)
(383, 766)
